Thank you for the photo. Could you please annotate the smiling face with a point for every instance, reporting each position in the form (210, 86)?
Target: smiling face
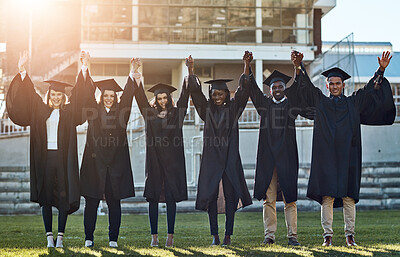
(335, 86)
(56, 99)
(108, 98)
(162, 100)
(218, 96)
(278, 90)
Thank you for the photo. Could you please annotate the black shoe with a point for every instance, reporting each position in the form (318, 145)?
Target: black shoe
(268, 241)
(227, 240)
(293, 242)
(215, 240)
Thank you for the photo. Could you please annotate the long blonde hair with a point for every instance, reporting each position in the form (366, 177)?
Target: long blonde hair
(63, 101)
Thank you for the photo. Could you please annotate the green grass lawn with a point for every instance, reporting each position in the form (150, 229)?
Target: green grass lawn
(378, 234)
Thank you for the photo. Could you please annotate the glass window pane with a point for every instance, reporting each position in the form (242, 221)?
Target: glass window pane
(294, 18)
(241, 3)
(297, 3)
(110, 69)
(242, 17)
(97, 13)
(182, 35)
(153, 1)
(241, 35)
(299, 36)
(96, 69)
(211, 35)
(153, 34)
(123, 14)
(149, 15)
(122, 69)
(271, 36)
(122, 33)
(271, 3)
(100, 33)
(212, 17)
(182, 17)
(271, 17)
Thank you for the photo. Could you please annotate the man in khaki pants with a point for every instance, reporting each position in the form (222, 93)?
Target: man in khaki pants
(277, 160)
(335, 175)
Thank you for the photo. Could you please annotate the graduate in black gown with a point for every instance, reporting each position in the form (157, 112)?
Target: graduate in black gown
(220, 159)
(336, 154)
(277, 160)
(54, 172)
(106, 165)
(165, 157)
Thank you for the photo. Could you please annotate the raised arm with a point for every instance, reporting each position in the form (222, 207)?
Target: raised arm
(242, 93)
(22, 98)
(375, 99)
(194, 88)
(302, 88)
(256, 95)
(182, 103)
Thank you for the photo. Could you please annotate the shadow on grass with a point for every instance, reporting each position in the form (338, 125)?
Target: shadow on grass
(276, 250)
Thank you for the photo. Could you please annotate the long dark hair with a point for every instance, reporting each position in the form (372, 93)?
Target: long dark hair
(169, 106)
(101, 101)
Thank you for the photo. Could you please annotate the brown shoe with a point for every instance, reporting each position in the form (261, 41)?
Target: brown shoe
(215, 240)
(350, 241)
(227, 240)
(268, 241)
(170, 240)
(327, 241)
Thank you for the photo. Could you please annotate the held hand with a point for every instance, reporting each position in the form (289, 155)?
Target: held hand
(384, 60)
(190, 64)
(296, 58)
(136, 64)
(84, 58)
(247, 57)
(23, 59)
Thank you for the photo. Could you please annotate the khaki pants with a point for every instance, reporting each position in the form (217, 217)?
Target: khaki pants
(349, 214)
(269, 212)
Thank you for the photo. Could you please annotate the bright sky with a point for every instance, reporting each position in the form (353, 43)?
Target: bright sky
(369, 20)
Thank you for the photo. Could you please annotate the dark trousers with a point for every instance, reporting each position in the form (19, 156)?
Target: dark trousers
(48, 219)
(51, 194)
(231, 202)
(114, 214)
(153, 217)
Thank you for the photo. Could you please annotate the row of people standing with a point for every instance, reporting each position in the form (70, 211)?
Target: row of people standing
(106, 169)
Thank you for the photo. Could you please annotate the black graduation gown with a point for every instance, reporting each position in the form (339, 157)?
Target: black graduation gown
(26, 108)
(336, 154)
(165, 157)
(277, 145)
(220, 144)
(106, 149)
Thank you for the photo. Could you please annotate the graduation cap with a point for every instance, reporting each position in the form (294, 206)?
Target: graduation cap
(219, 84)
(58, 85)
(276, 76)
(336, 72)
(161, 88)
(108, 84)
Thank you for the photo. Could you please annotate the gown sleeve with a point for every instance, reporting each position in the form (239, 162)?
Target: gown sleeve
(125, 105)
(256, 95)
(22, 100)
(145, 109)
(82, 98)
(182, 103)
(242, 95)
(376, 106)
(199, 100)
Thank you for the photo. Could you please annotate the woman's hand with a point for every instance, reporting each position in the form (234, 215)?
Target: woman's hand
(84, 58)
(136, 64)
(190, 64)
(23, 59)
(384, 60)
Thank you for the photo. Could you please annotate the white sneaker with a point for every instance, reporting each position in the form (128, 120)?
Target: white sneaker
(59, 243)
(89, 243)
(113, 244)
(50, 241)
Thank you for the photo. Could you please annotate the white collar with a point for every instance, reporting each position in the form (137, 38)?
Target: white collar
(107, 109)
(280, 101)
